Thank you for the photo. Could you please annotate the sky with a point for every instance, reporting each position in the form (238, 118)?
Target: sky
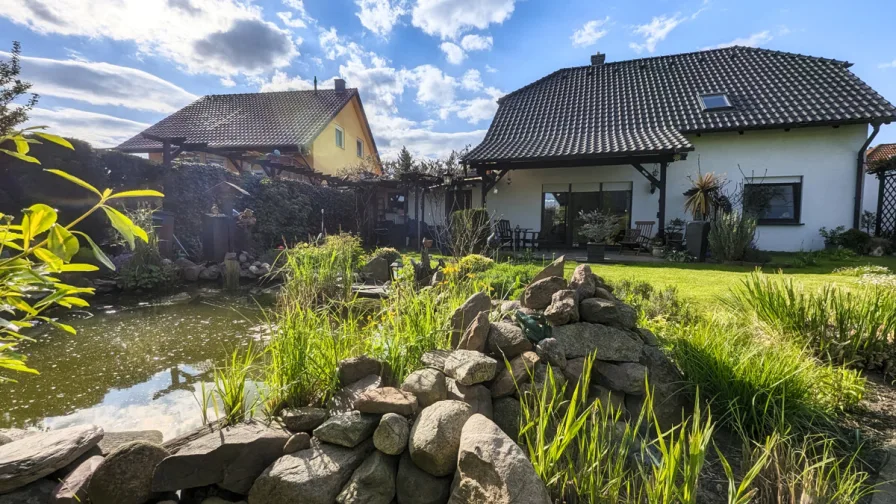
(429, 71)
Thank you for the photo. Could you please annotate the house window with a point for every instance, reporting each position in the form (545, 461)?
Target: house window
(340, 137)
(774, 201)
(715, 101)
(359, 147)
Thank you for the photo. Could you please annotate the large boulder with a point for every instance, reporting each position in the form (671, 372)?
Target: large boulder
(555, 269)
(583, 281)
(33, 457)
(391, 435)
(492, 468)
(304, 419)
(73, 488)
(377, 269)
(564, 308)
(550, 351)
(507, 340)
(416, 486)
(538, 294)
(541, 381)
(387, 400)
(507, 380)
(347, 429)
(435, 436)
(477, 396)
(476, 334)
(427, 384)
(112, 440)
(464, 315)
(373, 482)
(506, 413)
(344, 400)
(37, 492)
(435, 359)
(313, 476)
(296, 442)
(469, 367)
(611, 313)
(355, 368)
(126, 475)
(625, 377)
(671, 396)
(609, 343)
(231, 458)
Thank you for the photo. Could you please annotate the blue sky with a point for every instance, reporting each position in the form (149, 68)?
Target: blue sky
(429, 71)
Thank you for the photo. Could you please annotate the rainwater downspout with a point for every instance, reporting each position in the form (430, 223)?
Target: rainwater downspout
(860, 176)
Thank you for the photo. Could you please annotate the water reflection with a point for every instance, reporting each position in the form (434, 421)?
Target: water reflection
(135, 366)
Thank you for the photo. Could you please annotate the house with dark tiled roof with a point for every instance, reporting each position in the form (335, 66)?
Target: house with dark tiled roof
(629, 136)
(316, 132)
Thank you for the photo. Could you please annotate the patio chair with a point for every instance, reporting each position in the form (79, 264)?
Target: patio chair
(637, 238)
(504, 234)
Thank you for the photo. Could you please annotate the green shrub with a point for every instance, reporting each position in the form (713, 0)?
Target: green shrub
(145, 269)
(474, 263)
(388, 253)
(654, 304)
(855, 240)
(506, 280)
(731, 236)
(320, 273)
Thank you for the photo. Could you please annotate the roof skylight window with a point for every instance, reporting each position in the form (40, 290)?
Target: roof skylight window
(715, 101)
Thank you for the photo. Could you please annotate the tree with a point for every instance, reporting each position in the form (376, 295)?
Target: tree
(11, 88)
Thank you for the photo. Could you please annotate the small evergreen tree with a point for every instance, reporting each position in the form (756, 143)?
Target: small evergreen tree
(11, 88)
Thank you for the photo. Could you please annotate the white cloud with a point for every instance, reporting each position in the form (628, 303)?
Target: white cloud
(100, 130)
(453, 53)
(476, 42)
(219, 37)
(656, 31)
(589, 33)
(102, 84)
(490, 69)
(227, 82)
(379, 16)
(449, 18)
(477, 110)
(299, 7)
(424, 142)
(287, 19)
(753, 40)
(282, 82)
(891, 64)
(472, 80)
(434, 87)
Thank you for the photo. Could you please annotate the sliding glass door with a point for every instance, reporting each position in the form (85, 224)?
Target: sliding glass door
(562, 204)
(554, 213)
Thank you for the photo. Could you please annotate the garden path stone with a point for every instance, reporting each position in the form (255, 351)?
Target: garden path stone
(555, 269)
(469, 367)
(625, 377)
(464, 315)
(231, 458)
(507, 381)
(304, 419)
(73, 488)
(344, 400)
(353, 369)
(435, 436)
(506, 413)
(416, 486)
(373, 482)
(427, 384)
(583, 281)
(435, 359)
(35, 456)
(550, 351)
(313, 476)
(564, 308)
(601, 311)
(296, 442)
(492, 468)
(608, 343)
(391, 435)
(387, 400)
(126, 475)
(506, 340)
(477, 396)
(476, 335)
(538, 294)
(347, 429)
(112, 440)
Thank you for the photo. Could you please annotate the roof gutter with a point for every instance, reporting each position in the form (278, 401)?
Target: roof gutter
(860, 175)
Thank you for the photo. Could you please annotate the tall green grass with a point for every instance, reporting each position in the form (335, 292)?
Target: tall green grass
(320, 273)
(231, 382)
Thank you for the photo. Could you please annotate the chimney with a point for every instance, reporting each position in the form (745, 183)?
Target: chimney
(340, 85)
(315, 83)
(598, 59)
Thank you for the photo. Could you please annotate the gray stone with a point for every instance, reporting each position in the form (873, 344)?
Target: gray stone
(5, 440)
(555, 269)
(464, 315)
(492, 468)
(476, 335)
(313, 476)
(391, 435)
(347, 429)
(469, 367)
(601, 311)
(210, 273)
(191, 273)
(37, 492)
(344, 400)
(671, 398)
(550, 351)
(296, 442)
(17, 434)
(353, 369)
(606, 396)
(574, 369)
(477, 396)
(387, 400)
(33, 457)
(583, 281)
(609, 343)
(648, 337)
(304, 419)
(506, 412)
(538, 294)
(625, 377)
(435, 359)
(218, 500)
(377, 269)
(511, 306)
(126, 475)
(373, 482)
(507, 340)
(112, 440)
(427, 384)
(564, 308)
(540, 380)
(435, 436)
(603, 293)
(416, 486)
(231, 458)
(73, 488)
(508, 380)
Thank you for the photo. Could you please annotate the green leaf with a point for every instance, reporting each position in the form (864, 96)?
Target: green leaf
(142, 193)
(52, 260)
(75, 301)
(75, 180)
(56, 139)
(22, 146)
(100, 256)
(65, 327)
(38, 218)
(23, 157)
(62, 243)
(69, 268)
(125, 226)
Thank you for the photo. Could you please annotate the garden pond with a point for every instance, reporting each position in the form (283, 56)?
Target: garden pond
(134, 364)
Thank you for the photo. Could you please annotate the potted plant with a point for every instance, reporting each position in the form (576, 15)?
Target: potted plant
(597, 226)
(657, 248)
(675, 232)
(832, 237)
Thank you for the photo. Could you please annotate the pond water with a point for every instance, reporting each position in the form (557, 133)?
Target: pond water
(133, 365)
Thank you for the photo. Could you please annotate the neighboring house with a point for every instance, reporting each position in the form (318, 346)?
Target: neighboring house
(317, 131)
(880, 190)
(629, 136)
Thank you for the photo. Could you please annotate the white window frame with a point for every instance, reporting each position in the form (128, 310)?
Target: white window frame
(723, 95)
(340, 132)
(359, 147)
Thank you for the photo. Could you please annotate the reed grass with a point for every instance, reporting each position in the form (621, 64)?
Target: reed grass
(231, 385)
(317, 273)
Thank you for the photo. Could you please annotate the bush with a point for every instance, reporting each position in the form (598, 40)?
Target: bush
(474, 263)
(468, 231)
(731, 236)
(507, 281)
(320, 273)
(145, 269)
(388, 253)
(654, 304)
(855, 240)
